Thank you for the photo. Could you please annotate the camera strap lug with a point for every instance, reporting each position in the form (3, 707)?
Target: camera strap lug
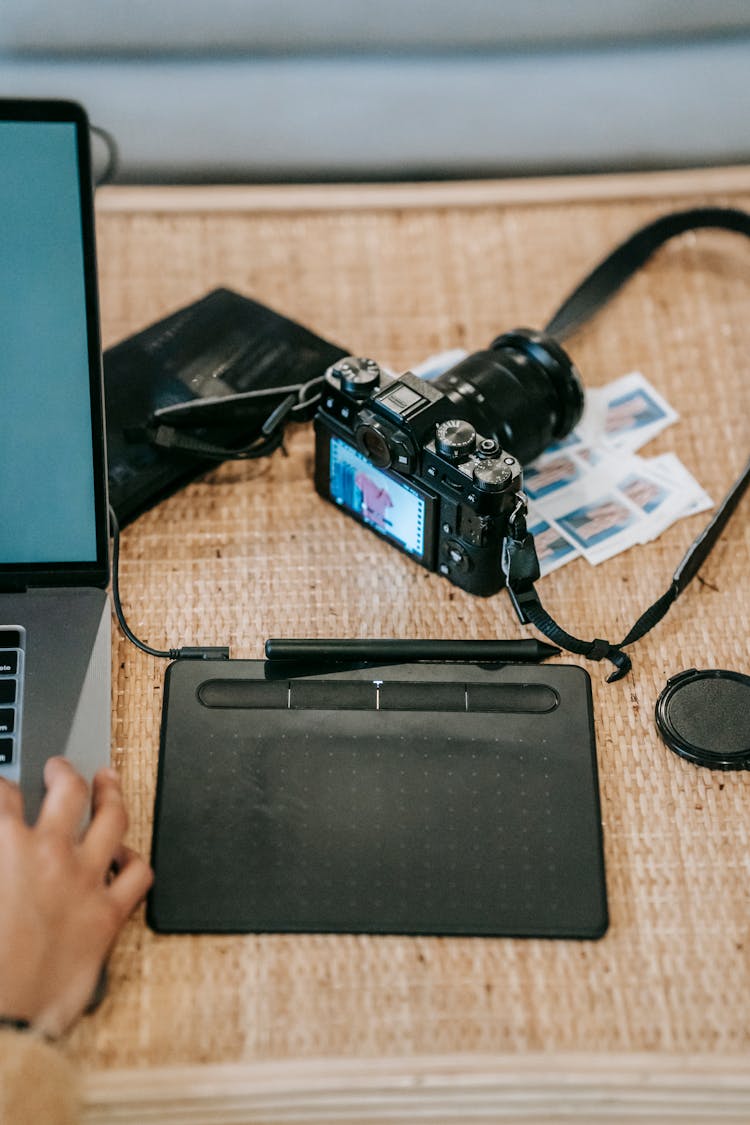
(520, 566)
(519, 561)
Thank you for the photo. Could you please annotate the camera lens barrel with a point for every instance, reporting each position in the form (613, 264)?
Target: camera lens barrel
(524, 391)
(546, 353)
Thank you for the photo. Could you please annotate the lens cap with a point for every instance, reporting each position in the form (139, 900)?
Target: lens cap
(705, 717)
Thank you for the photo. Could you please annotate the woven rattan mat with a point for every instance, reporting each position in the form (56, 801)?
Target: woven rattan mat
(250, 551)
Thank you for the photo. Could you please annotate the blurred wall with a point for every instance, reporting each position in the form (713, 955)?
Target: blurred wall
(262, 90)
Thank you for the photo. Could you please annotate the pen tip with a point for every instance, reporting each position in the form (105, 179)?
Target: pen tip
(547, 650)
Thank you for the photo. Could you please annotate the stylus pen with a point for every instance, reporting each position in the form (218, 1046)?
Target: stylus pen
(530, 650)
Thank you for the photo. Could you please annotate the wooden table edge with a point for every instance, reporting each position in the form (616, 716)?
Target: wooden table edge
(393, 196)
(533, 1087)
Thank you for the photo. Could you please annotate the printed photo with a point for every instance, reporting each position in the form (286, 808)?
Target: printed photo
(550, 476)
(552, 548)
(632, 411)
(595, 523)
(646, 494)
(589, 455)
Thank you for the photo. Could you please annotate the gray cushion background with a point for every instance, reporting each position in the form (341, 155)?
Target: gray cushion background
(257, 90)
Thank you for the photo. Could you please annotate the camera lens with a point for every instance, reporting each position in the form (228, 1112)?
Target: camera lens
(524, 391)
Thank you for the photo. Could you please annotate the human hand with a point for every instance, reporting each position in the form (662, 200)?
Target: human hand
(64, 895)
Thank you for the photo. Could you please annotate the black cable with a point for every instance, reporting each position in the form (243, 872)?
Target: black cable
(297, 404)
(168, 437)
(198, 652)
(301, 398)
(168, 654)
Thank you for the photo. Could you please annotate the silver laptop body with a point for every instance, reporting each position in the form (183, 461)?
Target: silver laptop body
(55, 653)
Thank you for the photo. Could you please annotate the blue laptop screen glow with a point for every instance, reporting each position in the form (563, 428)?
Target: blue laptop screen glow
(47, 512)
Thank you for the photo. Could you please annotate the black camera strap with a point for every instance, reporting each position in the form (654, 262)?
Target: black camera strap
(601, 284)
(519, 562)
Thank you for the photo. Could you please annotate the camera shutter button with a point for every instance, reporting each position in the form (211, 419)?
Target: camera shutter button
(488, 447)
(455, 439)
(491, 475)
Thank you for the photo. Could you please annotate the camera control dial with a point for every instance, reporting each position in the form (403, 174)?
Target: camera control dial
(492, 475)
(357, 375)
(455, 439)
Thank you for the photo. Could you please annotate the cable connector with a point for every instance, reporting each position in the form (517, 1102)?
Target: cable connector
(200, 652)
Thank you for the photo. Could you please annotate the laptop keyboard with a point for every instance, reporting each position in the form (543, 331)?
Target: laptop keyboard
(12, 645)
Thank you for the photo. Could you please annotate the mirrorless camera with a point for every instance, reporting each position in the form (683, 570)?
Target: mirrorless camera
(434, 467)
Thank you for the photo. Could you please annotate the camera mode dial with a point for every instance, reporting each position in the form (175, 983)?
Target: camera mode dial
(455, 439)
(492, 474)
(357, 375)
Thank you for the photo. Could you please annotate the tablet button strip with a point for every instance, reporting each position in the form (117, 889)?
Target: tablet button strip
(376, 695)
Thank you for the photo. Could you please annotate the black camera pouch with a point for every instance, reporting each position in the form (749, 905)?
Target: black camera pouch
(212, 353)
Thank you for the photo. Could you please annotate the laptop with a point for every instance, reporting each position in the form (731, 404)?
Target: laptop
(54, 560)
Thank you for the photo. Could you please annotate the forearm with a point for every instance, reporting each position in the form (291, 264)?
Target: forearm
(38, 1083)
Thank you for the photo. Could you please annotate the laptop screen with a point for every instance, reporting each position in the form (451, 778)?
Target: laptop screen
(52, 495)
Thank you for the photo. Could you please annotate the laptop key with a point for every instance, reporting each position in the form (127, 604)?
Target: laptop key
(7, 692)
(12, 652)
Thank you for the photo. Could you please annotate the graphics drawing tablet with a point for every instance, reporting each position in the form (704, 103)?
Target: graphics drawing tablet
(405, 799)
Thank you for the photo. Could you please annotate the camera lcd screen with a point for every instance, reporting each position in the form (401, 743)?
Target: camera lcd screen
(388, 505)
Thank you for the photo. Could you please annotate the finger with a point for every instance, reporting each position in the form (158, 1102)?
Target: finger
(66, 800)
(131, 881)
(109, 822)
(11, 801)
